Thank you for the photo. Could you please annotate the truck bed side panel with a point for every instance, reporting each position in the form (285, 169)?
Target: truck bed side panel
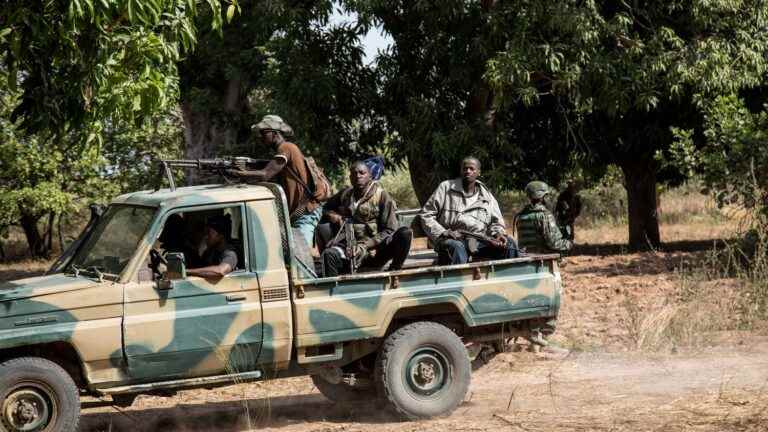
(348, 309)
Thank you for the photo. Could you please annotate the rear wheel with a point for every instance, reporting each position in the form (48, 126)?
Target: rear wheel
(423, 370)
(37, 395)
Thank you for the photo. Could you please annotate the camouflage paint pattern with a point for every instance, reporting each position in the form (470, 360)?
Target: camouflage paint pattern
(127, 331)
(348, 308)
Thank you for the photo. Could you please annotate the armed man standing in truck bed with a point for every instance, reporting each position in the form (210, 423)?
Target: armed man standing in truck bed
(289, 166)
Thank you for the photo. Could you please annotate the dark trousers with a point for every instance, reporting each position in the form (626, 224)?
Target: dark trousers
(395, 248)
(450, 251)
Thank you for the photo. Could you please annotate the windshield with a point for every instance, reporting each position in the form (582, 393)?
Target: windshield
(113, 240)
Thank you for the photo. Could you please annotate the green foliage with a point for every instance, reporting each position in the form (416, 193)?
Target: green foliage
(626, 73)
(83, 64)
(54, 175)
(279, 57)
(398, 184)
(44, 175)
(617, 57)
(437, 108)
(132, 153)
(733, 160)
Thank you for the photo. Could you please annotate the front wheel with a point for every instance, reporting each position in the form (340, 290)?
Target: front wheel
(423, 370)
(37, 395)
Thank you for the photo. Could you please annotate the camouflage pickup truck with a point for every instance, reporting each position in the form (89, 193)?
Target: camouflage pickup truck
(118, 318)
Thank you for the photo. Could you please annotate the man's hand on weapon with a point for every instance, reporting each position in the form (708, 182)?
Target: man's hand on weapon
(450, 234)
(356, 253)
(335, 218)
(498, 241)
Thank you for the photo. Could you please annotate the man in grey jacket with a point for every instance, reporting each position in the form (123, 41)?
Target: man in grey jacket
(463, 220)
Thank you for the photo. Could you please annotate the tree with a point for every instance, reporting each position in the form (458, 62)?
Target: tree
(731, 156)
(437, 107)
(627, 72)
(280, 57)
(81, 64)
(84, 85)
(41, 177)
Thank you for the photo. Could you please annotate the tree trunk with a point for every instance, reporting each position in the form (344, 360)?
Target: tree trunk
(35, 241)
(642, 204)
(425, 173)
(61, 234)
(207, 134)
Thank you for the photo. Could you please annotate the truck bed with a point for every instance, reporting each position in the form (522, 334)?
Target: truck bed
(361, 306)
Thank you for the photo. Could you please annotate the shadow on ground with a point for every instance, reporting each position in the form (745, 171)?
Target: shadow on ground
(234, 416)
(622, 249)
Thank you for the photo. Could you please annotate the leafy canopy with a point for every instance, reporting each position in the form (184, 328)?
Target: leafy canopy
(81, 64)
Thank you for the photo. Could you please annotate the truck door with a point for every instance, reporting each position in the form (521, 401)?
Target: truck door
(198, 327)
(268, 262)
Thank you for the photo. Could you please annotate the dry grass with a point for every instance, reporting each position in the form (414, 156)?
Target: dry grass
(678, 322)
(23, 268)
(670, 232)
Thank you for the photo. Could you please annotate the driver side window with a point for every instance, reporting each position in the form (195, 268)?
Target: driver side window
(205, 237)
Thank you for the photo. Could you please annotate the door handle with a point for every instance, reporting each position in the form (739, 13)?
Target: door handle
(236, 298)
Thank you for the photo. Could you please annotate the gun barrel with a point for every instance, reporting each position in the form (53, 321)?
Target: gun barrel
(198, 163)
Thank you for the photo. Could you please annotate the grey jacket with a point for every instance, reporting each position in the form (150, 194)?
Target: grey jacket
(448, 209)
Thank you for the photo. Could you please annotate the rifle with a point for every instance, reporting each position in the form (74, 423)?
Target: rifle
(215, 166)
(476, 236)
(349, 235)
(346, 234)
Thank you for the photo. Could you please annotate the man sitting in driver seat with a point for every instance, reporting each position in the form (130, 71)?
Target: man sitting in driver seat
(219, 257)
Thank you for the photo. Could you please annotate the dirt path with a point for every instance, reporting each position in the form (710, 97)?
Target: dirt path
(715, 390)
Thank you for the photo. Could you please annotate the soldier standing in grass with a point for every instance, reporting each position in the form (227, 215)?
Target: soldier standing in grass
(567, 209)
(537, 232)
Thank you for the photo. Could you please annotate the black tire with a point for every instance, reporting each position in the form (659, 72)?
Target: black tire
(423, 370)
(37, 395)
(343, 393)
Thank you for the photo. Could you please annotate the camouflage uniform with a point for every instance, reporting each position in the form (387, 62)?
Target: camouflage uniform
(537, 231)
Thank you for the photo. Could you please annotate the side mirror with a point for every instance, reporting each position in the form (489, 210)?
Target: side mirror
(175, 269)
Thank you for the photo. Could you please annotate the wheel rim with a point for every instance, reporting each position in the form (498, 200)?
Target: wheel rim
(28, 407)
(427, 373)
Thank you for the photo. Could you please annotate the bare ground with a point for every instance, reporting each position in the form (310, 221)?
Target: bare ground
(713, 390)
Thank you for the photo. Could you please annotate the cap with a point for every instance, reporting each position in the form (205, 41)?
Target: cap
(273, 122)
